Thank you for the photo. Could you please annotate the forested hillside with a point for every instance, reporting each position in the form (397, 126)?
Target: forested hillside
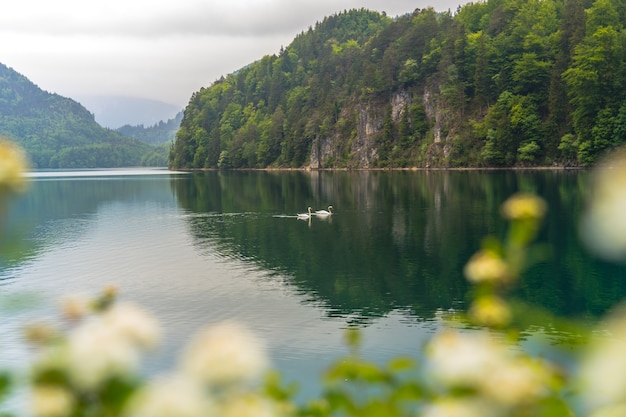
(58, 132)
(157, 134)
(496, 83)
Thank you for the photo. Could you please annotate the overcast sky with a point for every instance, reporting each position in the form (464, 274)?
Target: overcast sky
(158, 49)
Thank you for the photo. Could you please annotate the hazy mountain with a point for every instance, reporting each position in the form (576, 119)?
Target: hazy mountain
(58, 132)
(156, 134)
(117, 111)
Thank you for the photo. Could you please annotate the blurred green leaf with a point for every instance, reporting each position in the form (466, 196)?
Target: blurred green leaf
(276, 389)
(6, 381)
(401, 364)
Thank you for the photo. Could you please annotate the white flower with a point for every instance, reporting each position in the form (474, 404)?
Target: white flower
(456, 358)
(517, 381)
(491, 368)
(225, 353)
(490, 310)
(51, 401)
(105, 345)
(603, 227)
(603, 370)
(134, 323)
(173, 396)
(614, 410)
(75, 307)
(249, 405)
(487, 266)
(459, 407)
(96, 352)
(523, 206)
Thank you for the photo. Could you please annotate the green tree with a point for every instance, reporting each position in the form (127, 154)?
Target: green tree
(593, 80)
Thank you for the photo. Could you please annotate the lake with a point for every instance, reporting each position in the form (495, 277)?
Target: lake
(196, 248)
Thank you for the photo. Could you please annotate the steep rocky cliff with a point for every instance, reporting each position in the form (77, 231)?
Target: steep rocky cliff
(369, 118)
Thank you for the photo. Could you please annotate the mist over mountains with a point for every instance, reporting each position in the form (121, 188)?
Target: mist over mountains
(117, 111)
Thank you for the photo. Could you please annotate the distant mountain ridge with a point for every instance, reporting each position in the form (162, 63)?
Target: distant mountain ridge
(58, 132)
(158, 134)
(114, 112)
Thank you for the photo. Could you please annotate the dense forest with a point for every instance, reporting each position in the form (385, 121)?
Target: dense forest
(158, 134)
(58, 132)
(493, 84)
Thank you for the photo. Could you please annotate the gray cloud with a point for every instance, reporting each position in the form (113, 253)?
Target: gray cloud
(187, 17)
(159, 49)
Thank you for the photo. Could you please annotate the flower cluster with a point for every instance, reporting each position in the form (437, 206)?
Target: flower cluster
(79, 369)
(223, 354)
(524, 206)
(497, 267)
(478, 368)
(218, 374)
(487, 266)
(103, 349)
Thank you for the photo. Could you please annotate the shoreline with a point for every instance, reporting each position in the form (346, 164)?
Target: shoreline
(541, 168)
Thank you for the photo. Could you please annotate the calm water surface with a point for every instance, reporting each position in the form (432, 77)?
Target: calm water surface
(197, 248)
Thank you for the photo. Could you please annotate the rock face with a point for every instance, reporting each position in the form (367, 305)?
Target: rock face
(361, 151)
(443, 121)
(363, 148)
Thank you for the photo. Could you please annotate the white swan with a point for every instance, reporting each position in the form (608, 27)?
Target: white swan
(324, 212)
(305, 215)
